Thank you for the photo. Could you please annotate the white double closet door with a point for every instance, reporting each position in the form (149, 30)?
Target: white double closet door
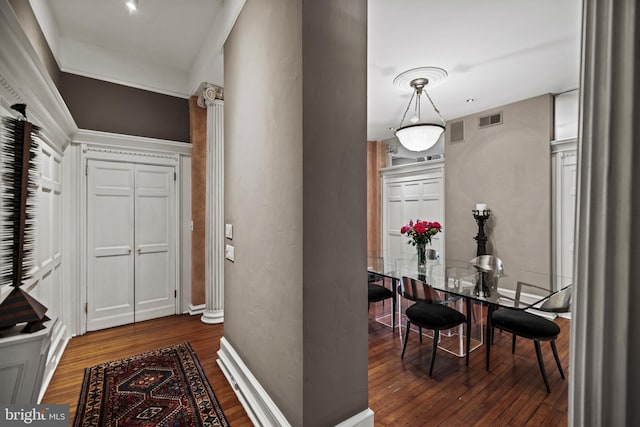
(131, 231)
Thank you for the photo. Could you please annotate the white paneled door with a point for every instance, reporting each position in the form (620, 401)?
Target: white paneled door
(131, 263)
(154, 239)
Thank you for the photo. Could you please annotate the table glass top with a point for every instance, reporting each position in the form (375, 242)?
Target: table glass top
(507, 288)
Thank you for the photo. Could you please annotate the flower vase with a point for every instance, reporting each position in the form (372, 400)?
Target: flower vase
(422, 257)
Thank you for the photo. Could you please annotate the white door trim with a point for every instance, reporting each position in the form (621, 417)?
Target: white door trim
(96, 145)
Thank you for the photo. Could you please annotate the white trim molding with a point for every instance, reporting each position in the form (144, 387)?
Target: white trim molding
(25, 79)
(139, 144)
(361, 419)
(563, 207)
(87, 145)
(196, 309)
(260, 408)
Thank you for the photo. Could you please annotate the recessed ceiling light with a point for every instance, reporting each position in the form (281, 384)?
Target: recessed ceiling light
(132, 5)
(470, 100)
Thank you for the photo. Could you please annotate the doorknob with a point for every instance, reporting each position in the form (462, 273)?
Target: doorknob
(129, 251)
(139, 250)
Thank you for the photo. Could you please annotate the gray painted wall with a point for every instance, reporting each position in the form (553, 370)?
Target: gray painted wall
(334, 34)
(295, 191)
(508, 167)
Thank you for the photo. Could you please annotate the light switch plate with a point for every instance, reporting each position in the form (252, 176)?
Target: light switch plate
(229, 252)
(228, 231)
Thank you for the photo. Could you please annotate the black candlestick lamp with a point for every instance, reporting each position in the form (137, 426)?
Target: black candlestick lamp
(481, 217)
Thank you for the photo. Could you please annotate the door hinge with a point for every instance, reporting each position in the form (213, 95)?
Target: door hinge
(175, 294)
(86, 307)
(175, 176)
(86, 169)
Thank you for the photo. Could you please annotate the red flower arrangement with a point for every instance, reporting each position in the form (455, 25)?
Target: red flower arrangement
(421, 232)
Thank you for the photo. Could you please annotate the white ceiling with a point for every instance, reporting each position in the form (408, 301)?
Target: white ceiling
(495, 51)
(166, 33)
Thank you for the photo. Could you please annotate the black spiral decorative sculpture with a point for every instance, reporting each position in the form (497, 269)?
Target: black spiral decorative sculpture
(481, 218)
(18, 191)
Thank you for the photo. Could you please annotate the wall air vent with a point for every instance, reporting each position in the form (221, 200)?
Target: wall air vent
(492, 120)
(456, 133)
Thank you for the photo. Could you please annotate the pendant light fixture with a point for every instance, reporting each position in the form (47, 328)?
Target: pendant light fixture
(418, 136)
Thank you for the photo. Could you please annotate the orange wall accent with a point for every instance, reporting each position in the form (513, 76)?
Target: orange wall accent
(198, 130)
(376, 160)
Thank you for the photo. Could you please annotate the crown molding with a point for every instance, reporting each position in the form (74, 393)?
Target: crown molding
(25, 79)
(131, 142)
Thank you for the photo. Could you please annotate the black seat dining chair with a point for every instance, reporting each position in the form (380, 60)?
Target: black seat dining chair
(376, 291)
(428, 313)
(536, 328)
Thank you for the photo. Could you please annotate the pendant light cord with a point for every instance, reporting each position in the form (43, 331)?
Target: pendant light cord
(434, 107)
(418, 108)
(407, 110)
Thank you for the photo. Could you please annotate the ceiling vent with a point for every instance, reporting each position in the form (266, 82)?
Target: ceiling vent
(492, 120)
(456, 133)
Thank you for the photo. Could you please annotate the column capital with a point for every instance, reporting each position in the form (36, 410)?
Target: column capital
(207, 93)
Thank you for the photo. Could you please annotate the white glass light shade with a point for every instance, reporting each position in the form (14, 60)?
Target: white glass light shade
(419, 137)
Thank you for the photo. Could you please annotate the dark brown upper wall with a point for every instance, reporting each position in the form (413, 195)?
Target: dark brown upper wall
(30, 25)
(109, 107)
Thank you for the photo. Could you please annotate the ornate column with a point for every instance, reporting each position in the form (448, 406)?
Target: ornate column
(212, 97)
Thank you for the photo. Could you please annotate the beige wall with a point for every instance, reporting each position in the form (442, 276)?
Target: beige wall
(295, 191)
(508, 167)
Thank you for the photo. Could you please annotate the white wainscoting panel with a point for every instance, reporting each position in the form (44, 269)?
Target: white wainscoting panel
(25, 79)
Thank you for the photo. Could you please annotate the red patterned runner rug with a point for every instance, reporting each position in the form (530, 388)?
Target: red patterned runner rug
(165, 387)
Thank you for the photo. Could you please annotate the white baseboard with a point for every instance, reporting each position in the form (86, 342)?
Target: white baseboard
(59, 341)
(362, 419)
(260, 408)
(196, 309)
(49, 375)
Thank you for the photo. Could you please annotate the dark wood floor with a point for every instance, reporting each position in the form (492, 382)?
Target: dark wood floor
(115, 343)
(401, 393)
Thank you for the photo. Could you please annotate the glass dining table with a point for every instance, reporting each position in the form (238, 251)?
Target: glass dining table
(467, 288)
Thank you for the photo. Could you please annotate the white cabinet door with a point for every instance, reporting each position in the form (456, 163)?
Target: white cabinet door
(131, 232)
(155, 230)
(110, 264)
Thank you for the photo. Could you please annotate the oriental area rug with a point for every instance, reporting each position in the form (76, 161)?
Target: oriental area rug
(165, 387)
